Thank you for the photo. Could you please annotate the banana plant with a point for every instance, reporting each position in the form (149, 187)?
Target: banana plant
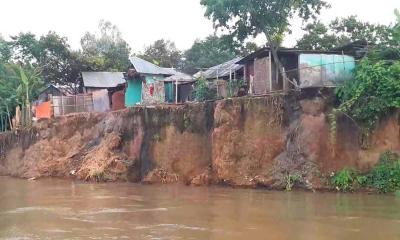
(29, 81)
(8, 99)
(6, 104)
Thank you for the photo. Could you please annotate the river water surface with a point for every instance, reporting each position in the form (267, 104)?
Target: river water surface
(57, 209)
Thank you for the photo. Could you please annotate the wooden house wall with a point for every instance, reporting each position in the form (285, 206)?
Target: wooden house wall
(261, 82)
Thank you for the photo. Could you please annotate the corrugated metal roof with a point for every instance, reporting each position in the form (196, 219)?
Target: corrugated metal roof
(180, 77)
(102, 79)
(221, 70)
(143, 66)
(172, 71)
(263, 52)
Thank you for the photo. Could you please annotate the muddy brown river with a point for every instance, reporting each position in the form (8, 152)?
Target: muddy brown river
(58, 209)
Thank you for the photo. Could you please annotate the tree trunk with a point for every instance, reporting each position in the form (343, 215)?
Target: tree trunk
(9, 117)
(274, 50)
(28, 109)
(3, 127)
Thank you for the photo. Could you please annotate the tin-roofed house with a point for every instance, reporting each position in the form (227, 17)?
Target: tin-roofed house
(179, 88)
(53, 90)
(42, 106)
(303, 68)
(145, 82)
(224, 76)
(107, 89)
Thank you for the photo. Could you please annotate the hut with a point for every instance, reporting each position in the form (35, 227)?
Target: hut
(224, 76)
(178, 88)
(303, 68)
(107, 89)
(145, 82)
(53, 90)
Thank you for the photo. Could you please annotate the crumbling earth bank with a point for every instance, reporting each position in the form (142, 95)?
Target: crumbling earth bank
(245, 142)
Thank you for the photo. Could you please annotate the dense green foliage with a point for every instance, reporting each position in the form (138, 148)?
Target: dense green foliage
(203, 54)
(207, 53)
(253, 17)
(28, 63)
(163, 53)
(213, 51)
(18, 86)
(384, 177)
(347, 180)
(105, 50)
(203, 91)
(342, 31)
(244, 19)
(59, 64)
(375, 90)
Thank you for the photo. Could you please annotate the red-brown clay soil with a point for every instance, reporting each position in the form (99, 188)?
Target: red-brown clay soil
(247, 142)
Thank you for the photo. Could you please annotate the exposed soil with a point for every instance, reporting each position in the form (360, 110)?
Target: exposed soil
(247, 142)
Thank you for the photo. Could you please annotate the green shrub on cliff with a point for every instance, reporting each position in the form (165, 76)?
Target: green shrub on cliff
(374, 92)
(375, 89)
(347, 180)
(385, 176)
(291, 181)
(203, 91)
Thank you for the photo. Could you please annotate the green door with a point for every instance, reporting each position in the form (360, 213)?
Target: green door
(169, 92)
(133, 95)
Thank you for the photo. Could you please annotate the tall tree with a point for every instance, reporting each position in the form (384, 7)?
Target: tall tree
(253, 17)
(5, 50)
(248, 48)
(51, 53)
(207, 53)
(56, 60)
(26, 48)
(30, 83)
(163, 53)
(106, 50)
(339, 32)
(8, 95)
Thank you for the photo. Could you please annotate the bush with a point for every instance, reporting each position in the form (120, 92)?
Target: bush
(291, 181)
(385, 176)
(234, 87)
(203, 91)
(373, 93)
(347, 180)
(375, 90)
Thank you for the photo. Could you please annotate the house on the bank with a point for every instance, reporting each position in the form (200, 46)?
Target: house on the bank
(53, 90)
(107, 89)
(223, 74)
(304, 69)
(42, 105)
(179, 88)
(148, 83)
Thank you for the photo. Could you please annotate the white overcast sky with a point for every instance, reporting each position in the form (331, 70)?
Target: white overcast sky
(144, 21)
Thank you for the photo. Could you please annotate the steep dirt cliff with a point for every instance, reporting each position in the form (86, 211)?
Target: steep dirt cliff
(246, 142)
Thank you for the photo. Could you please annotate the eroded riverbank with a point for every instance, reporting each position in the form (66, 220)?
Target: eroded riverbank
(245, 142)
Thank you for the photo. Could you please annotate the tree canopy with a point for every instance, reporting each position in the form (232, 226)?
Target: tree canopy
(5, 50)
(243, 19)
(375, 90)
(29, 62)
(207, 53)
(105, 50)
(163, 53)
(342, 31)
